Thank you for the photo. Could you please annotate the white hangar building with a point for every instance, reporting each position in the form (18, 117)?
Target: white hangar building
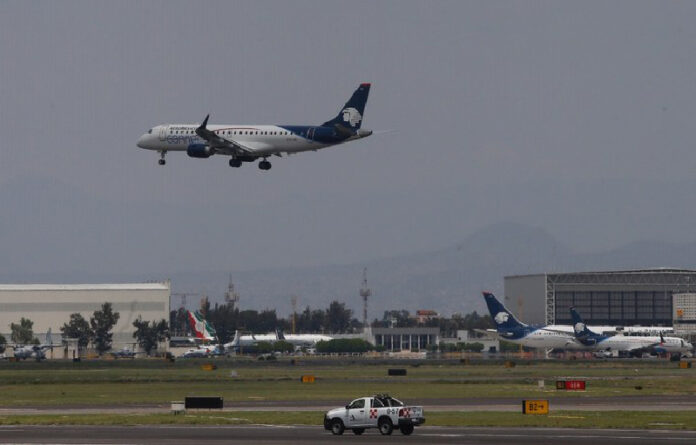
(50, 306)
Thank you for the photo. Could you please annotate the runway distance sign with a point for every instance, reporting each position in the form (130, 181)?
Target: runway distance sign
(535, 407)
(570, 385)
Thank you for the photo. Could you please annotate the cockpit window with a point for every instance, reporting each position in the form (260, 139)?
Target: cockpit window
(149, 131)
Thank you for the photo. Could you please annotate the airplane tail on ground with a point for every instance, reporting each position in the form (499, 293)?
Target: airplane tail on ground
(200, 327)
(351, 114)
(582, 332)
(503, 318)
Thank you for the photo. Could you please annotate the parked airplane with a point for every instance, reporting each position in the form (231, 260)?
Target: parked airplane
(634, 345)
(510, 329)
(37, 352)
(247, 143)
(303, 340)
(248, 342)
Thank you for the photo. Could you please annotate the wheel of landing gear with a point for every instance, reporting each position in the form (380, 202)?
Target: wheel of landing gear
(235, 163)
(162, 162)
(265, 165)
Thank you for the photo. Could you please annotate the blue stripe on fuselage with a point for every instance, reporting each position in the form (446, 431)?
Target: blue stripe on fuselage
(517, 333)
(323, 135)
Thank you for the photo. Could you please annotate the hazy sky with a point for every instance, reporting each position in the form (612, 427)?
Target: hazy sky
(576, 117)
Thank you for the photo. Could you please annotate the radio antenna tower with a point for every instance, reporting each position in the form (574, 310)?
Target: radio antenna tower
(231, 297)
(364, 293)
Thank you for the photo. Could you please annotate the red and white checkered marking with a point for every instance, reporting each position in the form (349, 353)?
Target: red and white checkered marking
(373, 413)
(407, 412)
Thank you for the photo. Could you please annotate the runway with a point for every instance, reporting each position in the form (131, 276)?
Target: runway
(262, 434)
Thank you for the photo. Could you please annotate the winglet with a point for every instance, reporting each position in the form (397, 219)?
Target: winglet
(205, 122)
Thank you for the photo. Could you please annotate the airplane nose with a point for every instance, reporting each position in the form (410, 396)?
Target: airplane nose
(142, 141)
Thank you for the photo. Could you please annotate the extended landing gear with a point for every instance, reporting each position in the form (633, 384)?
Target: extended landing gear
(162, 161)
(264, 165)
(235, 163)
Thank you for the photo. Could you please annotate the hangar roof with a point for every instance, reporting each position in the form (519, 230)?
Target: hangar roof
(78, 287)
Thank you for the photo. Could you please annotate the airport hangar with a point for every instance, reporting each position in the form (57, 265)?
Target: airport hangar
(647, 297)
(50, 306)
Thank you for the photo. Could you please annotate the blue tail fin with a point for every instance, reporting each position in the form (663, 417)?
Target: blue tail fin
(504, 320)
(582, 332)
(351, 114)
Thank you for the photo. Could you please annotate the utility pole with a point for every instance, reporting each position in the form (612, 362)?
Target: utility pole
(293, 302)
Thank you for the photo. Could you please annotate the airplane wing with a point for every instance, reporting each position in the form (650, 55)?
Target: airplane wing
(221, 144)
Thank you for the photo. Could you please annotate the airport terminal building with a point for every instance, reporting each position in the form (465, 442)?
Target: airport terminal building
(50, 306)
(621, 298)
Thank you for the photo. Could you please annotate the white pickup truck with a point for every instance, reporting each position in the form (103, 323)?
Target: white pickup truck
(381, 411)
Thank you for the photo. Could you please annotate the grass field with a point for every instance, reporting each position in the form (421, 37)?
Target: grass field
(159, 382)
(153, 382)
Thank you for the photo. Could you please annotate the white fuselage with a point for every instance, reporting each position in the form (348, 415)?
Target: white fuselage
(629, 343)
(543, 338)
(262, 140)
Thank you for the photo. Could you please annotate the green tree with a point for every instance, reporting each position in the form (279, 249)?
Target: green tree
(3, 344)
(283, 346)
(102, 322)
(264, 347)
(223, 318)
(338, 317)
(148, 334)
(77, 328)
(344, 345)
(23, 333)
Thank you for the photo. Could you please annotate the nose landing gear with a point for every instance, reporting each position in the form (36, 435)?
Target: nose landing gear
(162, 161)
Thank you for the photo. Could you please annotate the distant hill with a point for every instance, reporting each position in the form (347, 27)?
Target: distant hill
(447, 280)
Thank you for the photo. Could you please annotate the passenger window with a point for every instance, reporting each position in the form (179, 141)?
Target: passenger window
(377, 404)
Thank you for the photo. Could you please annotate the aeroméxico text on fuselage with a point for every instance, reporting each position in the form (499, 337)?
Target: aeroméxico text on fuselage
(247, 143)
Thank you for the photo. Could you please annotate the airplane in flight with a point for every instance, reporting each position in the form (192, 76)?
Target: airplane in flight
(633, 345)
(247, 143)
(510, 329)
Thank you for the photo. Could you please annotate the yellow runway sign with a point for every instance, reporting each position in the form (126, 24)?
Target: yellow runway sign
(535, 407)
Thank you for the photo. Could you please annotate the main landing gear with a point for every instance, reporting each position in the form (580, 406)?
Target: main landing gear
(162, 161)
(264, 165)
(235, 162)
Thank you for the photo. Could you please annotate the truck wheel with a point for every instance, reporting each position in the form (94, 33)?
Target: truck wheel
(406, 430)
(385, 426)
(337, 427)
(358, 431)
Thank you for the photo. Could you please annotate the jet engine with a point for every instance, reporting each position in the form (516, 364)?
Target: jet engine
(200, 151)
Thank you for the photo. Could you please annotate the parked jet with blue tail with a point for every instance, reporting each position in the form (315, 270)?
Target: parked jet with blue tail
(247, 143)
(512, 330)
(633, 345)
